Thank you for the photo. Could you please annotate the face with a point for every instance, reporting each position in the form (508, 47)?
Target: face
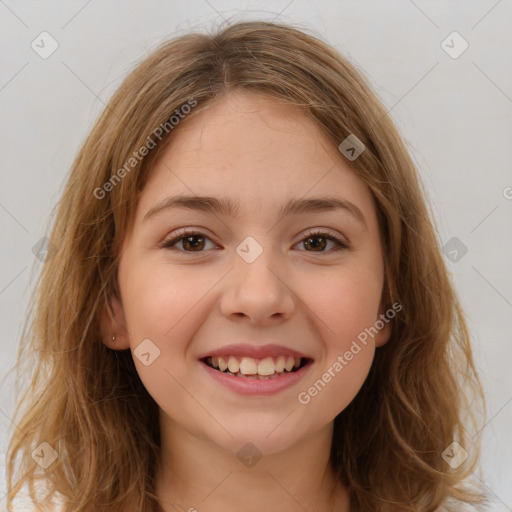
(303, 284)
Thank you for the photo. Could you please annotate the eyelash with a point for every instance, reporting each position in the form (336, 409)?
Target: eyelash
(184, 233)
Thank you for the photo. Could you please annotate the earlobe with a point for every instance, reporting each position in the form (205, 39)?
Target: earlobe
(382, 337)
(113, 326)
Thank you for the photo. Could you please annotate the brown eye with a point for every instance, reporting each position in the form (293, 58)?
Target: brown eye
(317, 242)
(187, 241)
(314, 244)
(192, 243)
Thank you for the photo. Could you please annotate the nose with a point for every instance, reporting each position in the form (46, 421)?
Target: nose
(257, 291)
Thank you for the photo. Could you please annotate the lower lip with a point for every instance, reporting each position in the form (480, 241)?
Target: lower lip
(247, 386)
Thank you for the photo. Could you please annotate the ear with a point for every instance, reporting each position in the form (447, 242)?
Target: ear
(113, 322)
(382, 337)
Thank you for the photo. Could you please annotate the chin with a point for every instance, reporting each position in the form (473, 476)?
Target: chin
(260, 437)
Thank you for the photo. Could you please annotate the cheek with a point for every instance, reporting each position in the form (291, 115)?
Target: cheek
(337, 383)
(158, 300)
(345, 306)
(343, 301)
(347, 309)
(161, 305)
(165, 305)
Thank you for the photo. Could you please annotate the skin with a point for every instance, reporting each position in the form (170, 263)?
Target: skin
(262, 153)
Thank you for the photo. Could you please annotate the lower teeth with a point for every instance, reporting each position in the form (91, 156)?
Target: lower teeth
(259, 377)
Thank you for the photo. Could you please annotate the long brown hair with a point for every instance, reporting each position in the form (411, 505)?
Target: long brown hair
(87, 401)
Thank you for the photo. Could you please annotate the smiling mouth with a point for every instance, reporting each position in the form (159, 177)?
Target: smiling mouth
(262, 369)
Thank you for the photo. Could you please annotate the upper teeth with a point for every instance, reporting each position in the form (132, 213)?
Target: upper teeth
(251, 366)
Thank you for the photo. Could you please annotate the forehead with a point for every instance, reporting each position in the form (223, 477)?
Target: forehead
(247, 127)
(256, 149)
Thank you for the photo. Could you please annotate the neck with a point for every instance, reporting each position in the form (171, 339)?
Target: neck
(194, 473)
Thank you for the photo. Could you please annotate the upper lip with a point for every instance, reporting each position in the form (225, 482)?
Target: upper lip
(254, 351)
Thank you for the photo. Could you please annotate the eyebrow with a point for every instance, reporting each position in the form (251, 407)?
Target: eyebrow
(229, 207)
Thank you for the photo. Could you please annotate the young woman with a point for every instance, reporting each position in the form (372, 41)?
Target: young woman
(248, 308)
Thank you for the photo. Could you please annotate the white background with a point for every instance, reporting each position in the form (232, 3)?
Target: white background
(455, 115)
